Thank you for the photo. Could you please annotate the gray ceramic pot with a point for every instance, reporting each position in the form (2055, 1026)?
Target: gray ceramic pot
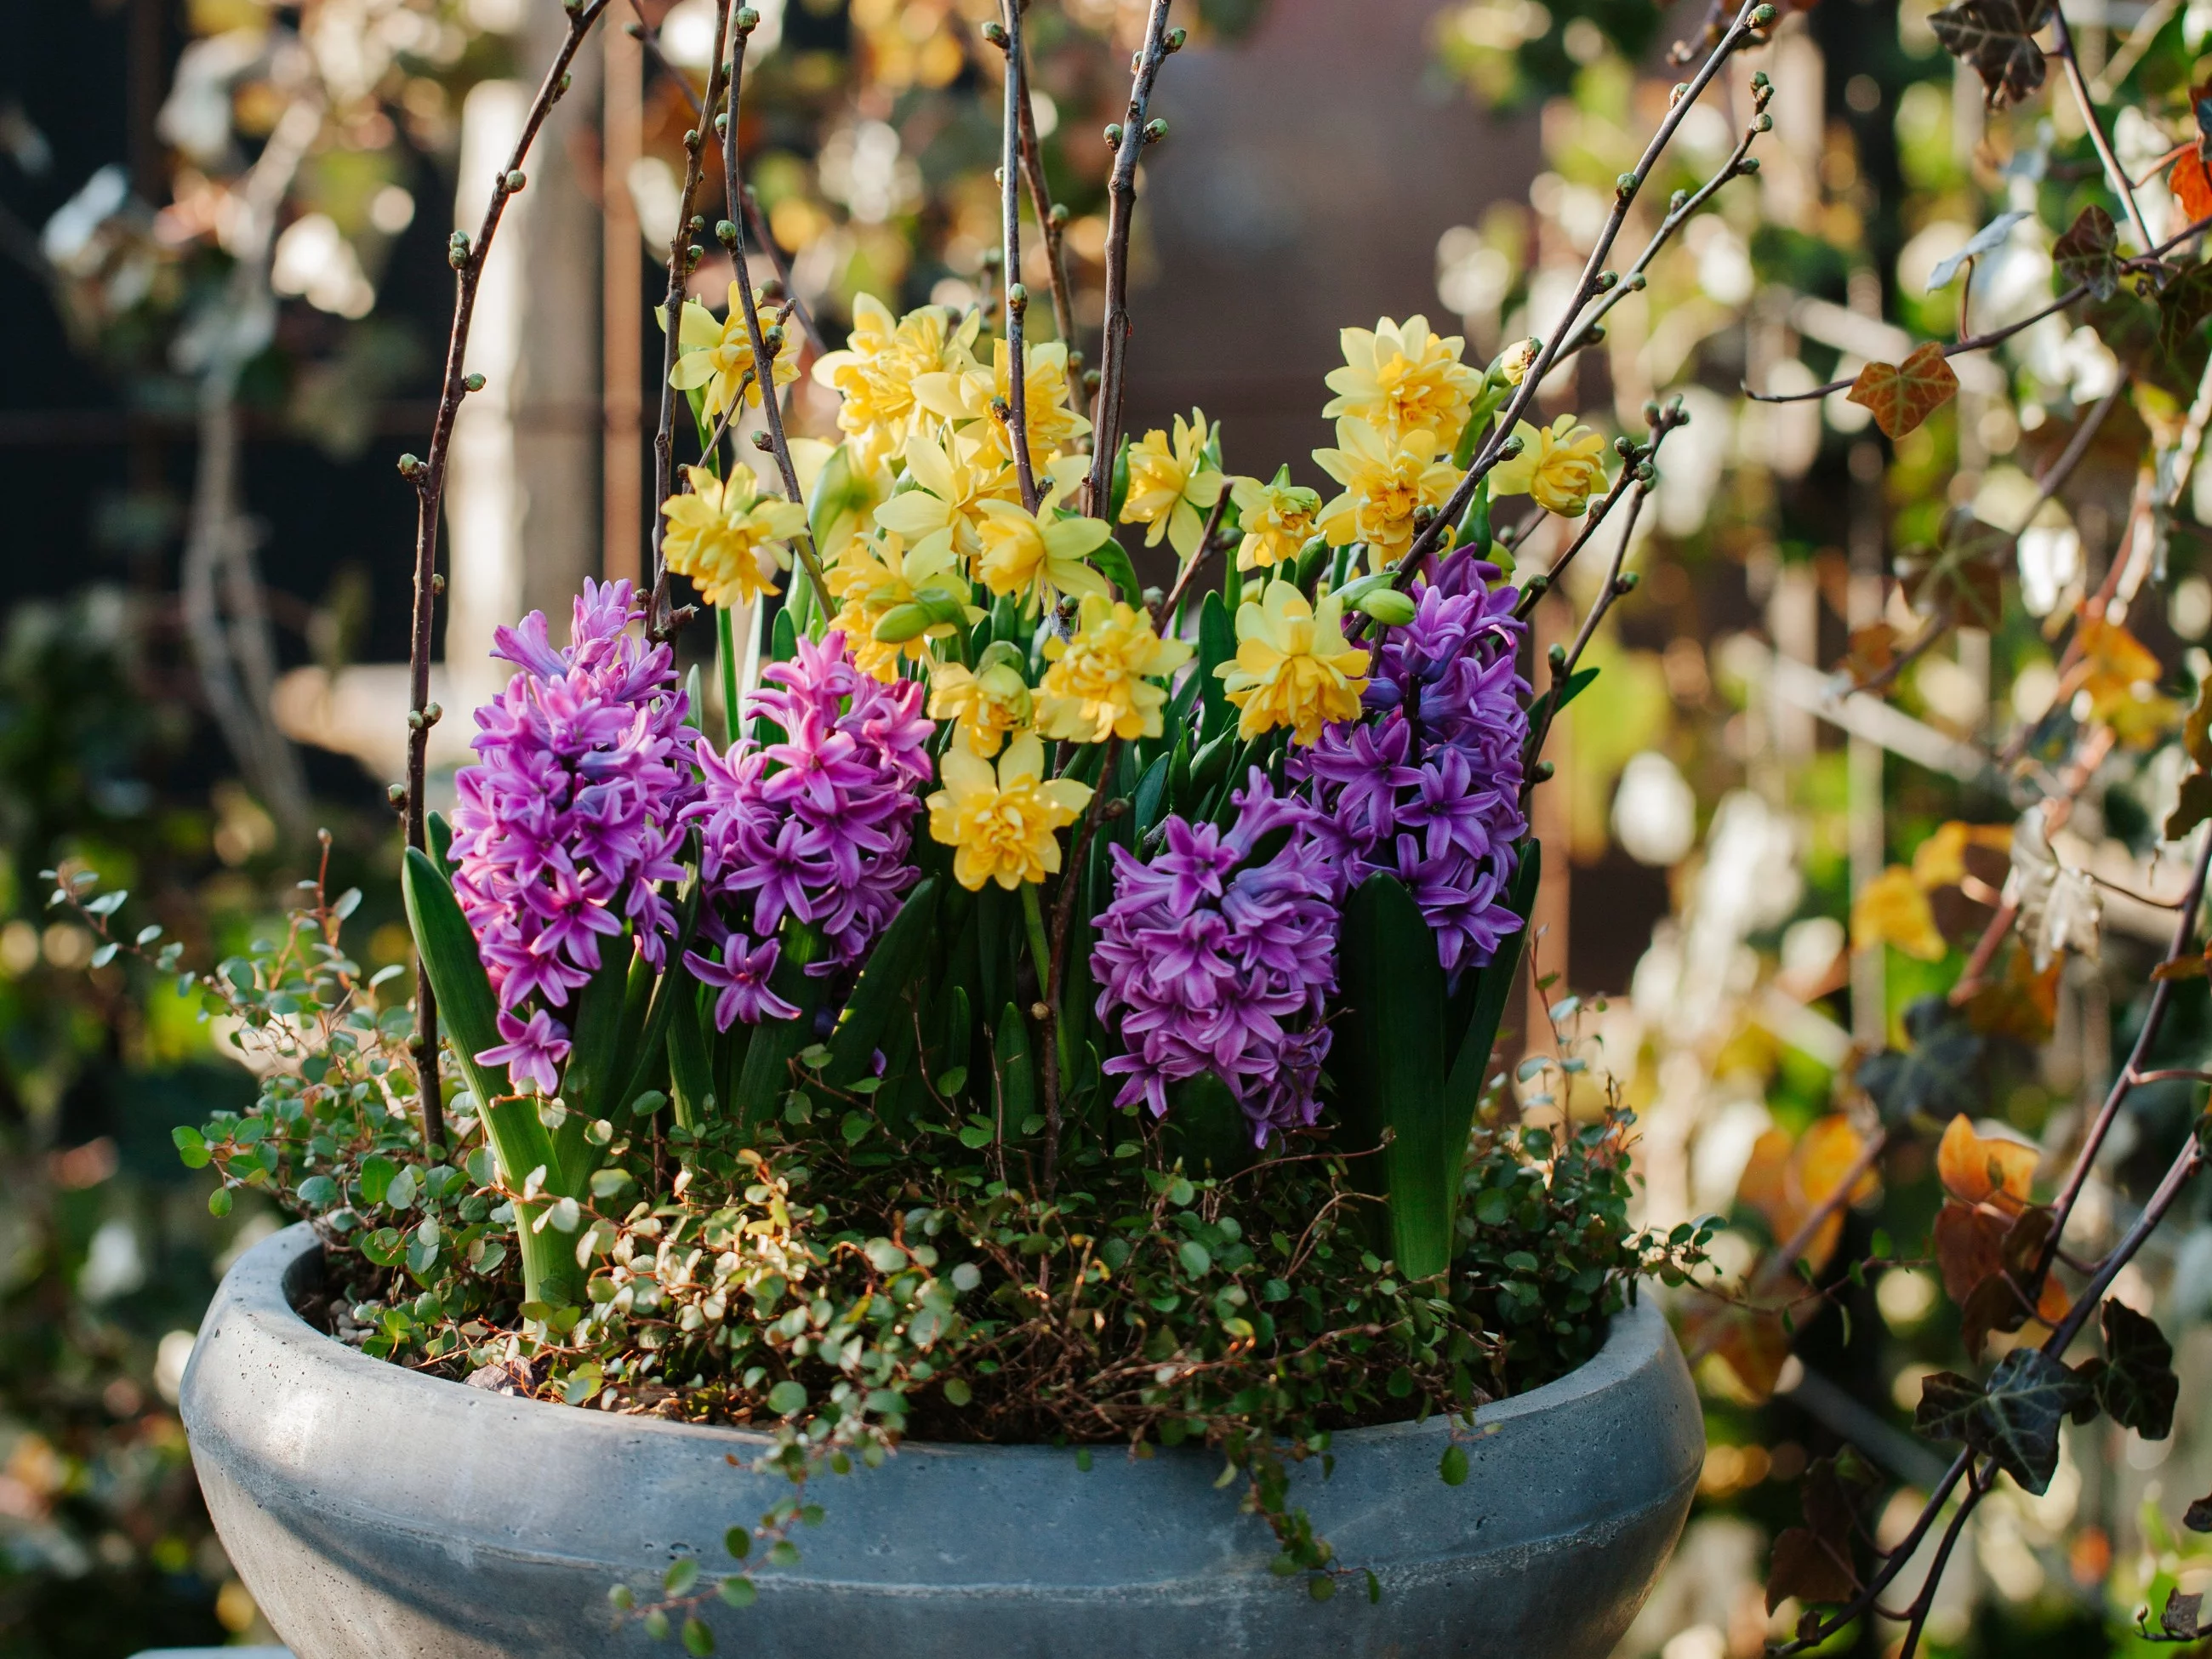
(378, 1513)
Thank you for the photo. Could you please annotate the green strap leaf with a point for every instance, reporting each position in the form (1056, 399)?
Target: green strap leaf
(898, 957)
(1485, 993)
(1217, 644)
(1391, 1041)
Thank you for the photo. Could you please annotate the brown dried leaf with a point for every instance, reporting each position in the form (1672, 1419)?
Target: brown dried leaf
(1806, 1567)
(1902, 395)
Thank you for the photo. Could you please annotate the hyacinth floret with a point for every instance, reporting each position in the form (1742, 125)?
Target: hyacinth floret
(1214, 959)
(812, 821)
(1428, 785)
(566, 826)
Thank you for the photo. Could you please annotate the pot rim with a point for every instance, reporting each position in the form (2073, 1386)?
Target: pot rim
(262, 1284)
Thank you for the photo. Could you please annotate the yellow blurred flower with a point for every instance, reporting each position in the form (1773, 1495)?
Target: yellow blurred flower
(728, 537)
(1893, 908)
(1038, 552)
(1386, 481)
(876, 371)
(985, 703)
(719, 355)
(1560, 465)
(1101, 682)
(1003, 823)
(1278, 518)
(963, 397)
(1171, 486)
(1293, 666)
(955, 480)
(1400, 378)
(873, 579)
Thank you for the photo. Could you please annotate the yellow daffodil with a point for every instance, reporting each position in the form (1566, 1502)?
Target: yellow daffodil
(1560, 465)
(840, 493)
(1003, 823)
(1293, 666)
(1400, 378)
(1038, 553)
(1278, 518)
(1171, 487)
(871, 578)
(955, 480)
(986, 703)
(1101, 682)
(728, 538)
(1386, 481)
(718, 356)
(876, 371)
(1514, 362)
(964, 398)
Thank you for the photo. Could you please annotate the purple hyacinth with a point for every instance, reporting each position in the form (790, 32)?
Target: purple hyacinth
(566, 826)
(1428, 788)
(816, 826)
(1213, 960)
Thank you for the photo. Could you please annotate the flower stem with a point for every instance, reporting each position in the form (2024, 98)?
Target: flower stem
(725, 658)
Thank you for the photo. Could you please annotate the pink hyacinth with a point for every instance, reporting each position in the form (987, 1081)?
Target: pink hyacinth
(814, 826)
(567, 826)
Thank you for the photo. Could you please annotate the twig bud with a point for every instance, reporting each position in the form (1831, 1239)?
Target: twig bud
(515, 180)
(1174, 38)
(432, 713)
(634, 30)
(1748, 165)
(994, 257)
(566, 82)
(1758, 81)
(473, 383)
(1764, 124)
(1075, 362)
(1017, 298)
(1508, 449)
(415, 722)
(747, 19)
(1627, 185)
(1059, 216)
(1595, 333)
(698, 223)
(1624, 448)
(771, 290)
(1680, 91)
(1645, 472)
(1762, 17)
(1678, 201)
(396, 795)
(690, 137)
(693, 254)
(726, 233)
(995, 33)
(1091, 379)
(1114, 135)
(772, 339)
(1626, 583)
(1001, 410)
(763, 442)
(1635, 282)
(437, 581)
(1538, 586)
(1556, 656)
(1607, 281)
(410, 466)
(1155, 129)
(721, 124)
(457, 250)
(1541, 772)
(1424, 516)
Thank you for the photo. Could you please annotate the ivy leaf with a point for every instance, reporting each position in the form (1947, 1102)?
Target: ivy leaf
(2087, 255)
(1997, 37)
(1988, 239)
(2013, 1419)
(2137, 1385)
(2195, 805)
(2178, 1620)
(2198, 1515)
(1813, 1562)
(1934, 1078)
(1902, 395)
(1805, 1567)
(2184, 303)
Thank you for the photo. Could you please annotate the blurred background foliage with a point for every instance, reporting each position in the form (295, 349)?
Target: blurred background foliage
(1722, 833)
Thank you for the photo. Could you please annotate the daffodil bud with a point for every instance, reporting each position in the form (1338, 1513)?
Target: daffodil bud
(1514, 362)
(1388, 605)
(900, 623)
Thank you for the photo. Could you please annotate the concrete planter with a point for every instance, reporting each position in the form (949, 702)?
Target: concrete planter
(377, 1514)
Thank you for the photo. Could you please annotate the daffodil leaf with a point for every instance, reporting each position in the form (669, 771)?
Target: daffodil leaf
(1112, 561)
(879, 1000)
(1217, 644)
